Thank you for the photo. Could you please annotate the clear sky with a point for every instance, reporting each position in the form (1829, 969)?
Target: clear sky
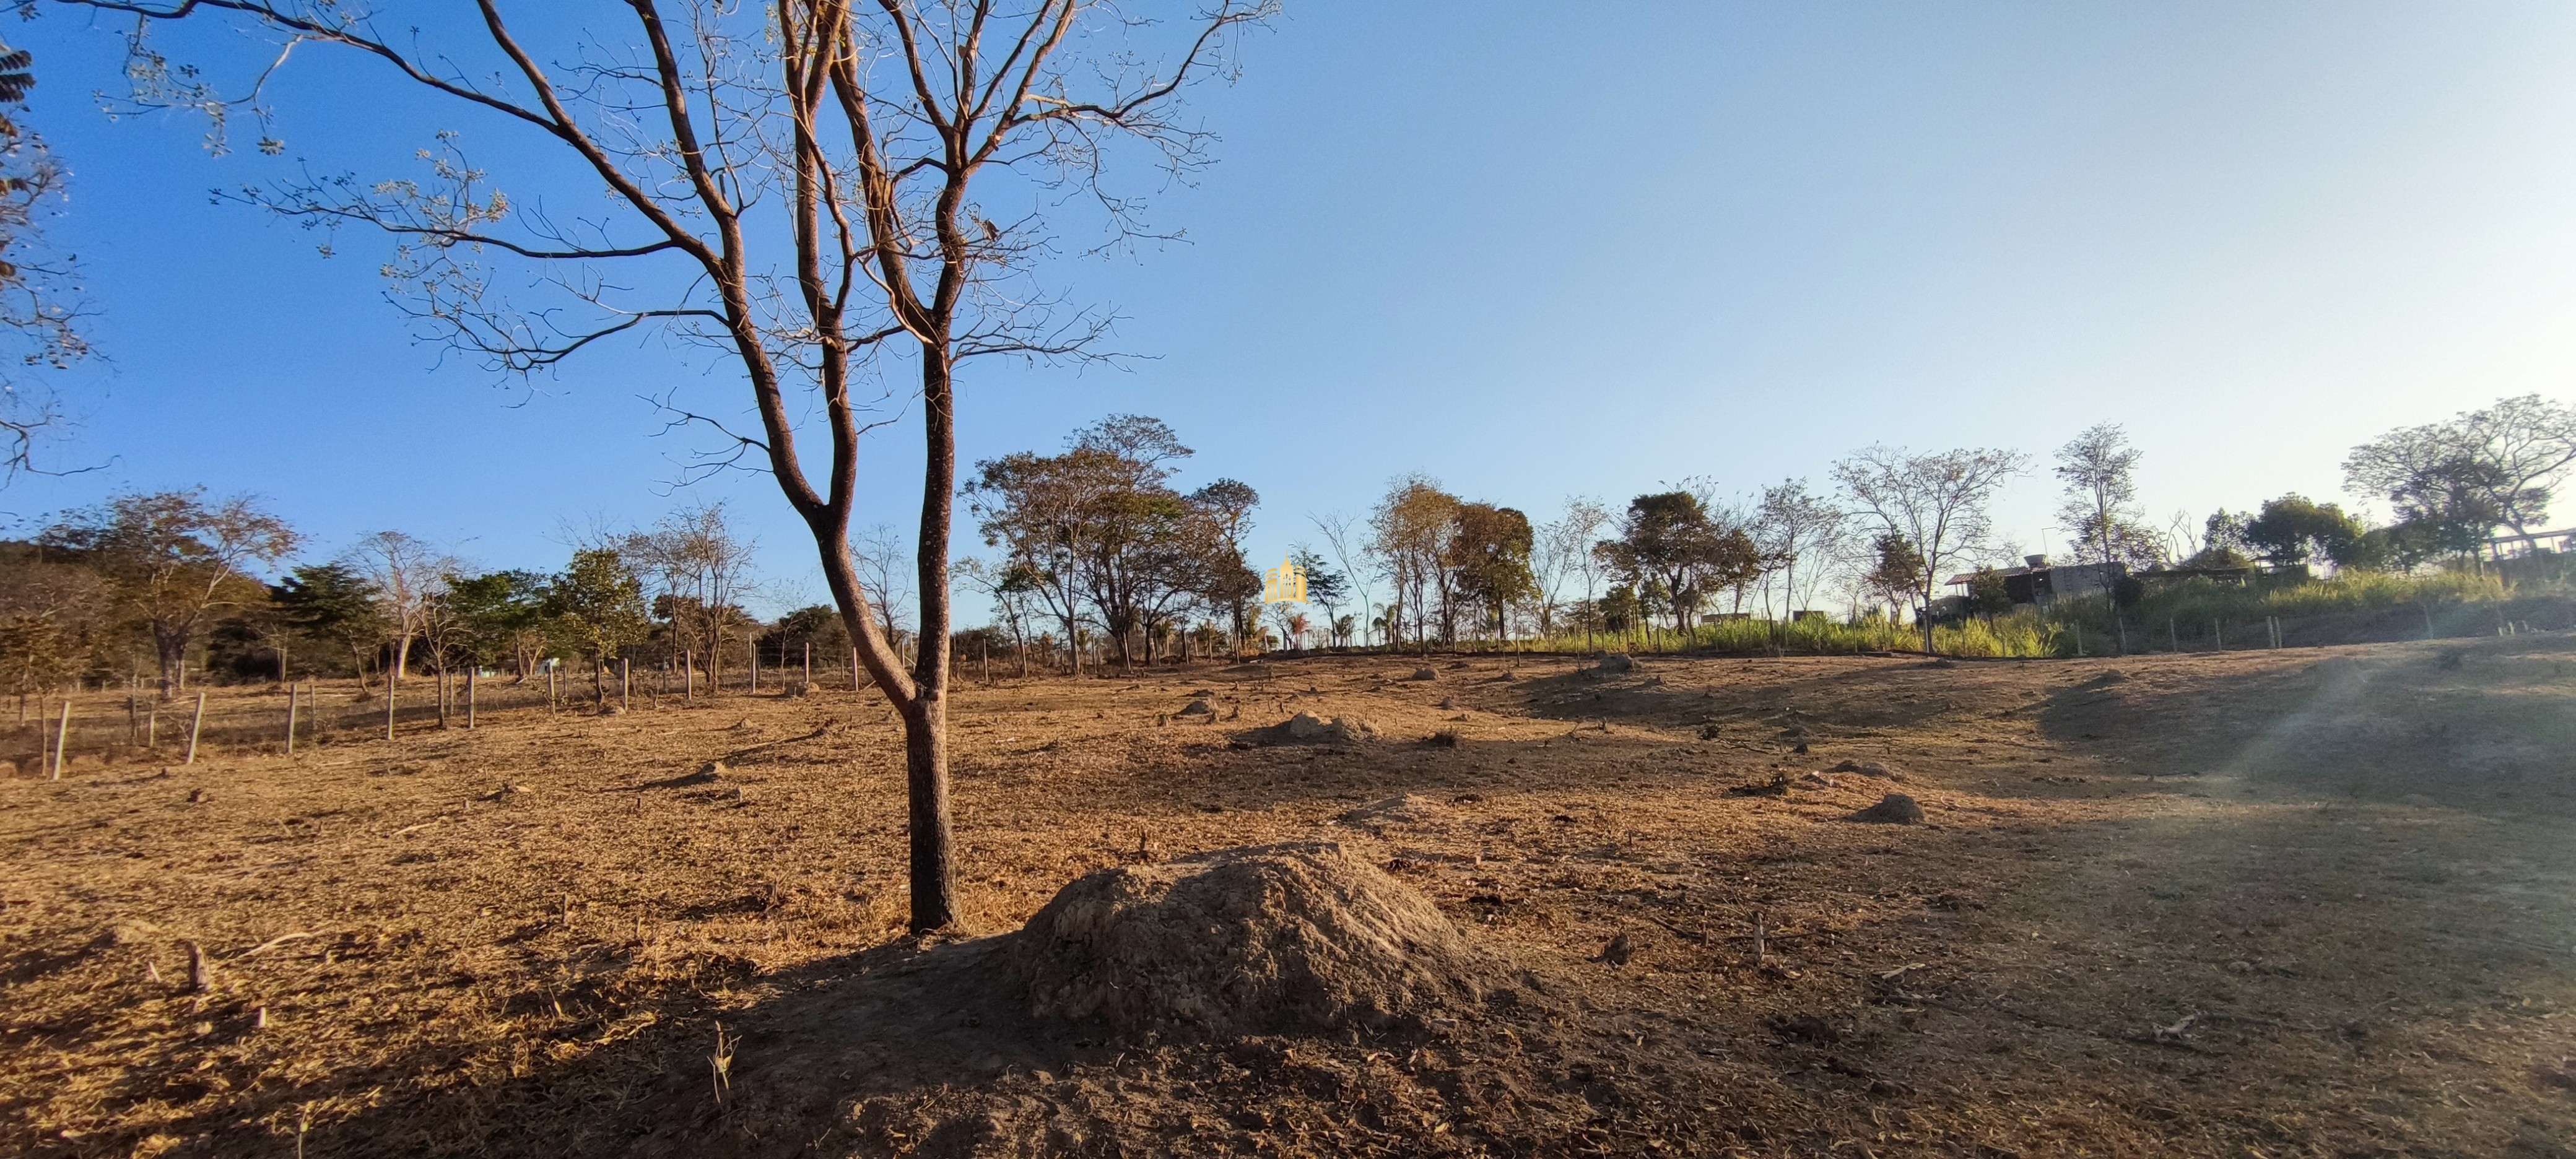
(1529, 249)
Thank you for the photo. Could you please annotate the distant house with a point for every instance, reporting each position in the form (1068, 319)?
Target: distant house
(2222, 576)
(2041, 583)
(2529, 543)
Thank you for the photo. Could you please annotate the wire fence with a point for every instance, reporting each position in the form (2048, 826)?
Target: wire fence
(136, 726)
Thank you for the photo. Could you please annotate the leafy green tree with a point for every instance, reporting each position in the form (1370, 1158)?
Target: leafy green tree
(1894, 569)
(1669, 542)
(1325, 588)
(500, 614)
(1987, 593)
(1488, 560)
(2294, 529)
(333, 604)
(597, 605)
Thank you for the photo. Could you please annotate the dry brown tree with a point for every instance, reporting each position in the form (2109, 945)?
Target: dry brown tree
(824, 194)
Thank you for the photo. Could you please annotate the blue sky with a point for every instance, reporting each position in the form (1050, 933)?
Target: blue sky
(1531, 250)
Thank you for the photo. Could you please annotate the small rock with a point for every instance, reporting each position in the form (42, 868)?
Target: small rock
(1198, 708)
(1425, 674)
(1619, 951)
(1817, 781)
(1305, 726)
(1892, 809)
(1449, 703)
(197, 797)
(707, 774)
(1615, 662)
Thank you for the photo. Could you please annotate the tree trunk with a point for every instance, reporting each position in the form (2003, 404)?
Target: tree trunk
(170, 646)
(925, 741)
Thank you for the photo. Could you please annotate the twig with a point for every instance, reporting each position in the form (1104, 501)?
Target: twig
(279, 940)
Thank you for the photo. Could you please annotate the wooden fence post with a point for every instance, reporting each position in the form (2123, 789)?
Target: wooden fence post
(809, 665)
(755, 666)
(291, 696)
(62, 737)
(469, 699)
(389, 707)
(854, 668)
(688, 677)
(550, 688)
(196, 727)
(625, 686)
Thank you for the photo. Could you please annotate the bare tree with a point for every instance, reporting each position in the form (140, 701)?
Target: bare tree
(703, 570)
(872, 127)
(881, 555)
(1565, 552)
(1935, 504)
(1013, 593)
(1793, 526)
(407, 575)
(40, 296)
(1340, 530)
(2511, 455)
(2099, 469)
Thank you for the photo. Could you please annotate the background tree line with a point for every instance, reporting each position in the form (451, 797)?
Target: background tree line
(1100, 555)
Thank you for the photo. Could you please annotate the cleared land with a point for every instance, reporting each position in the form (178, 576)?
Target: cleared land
(2308, 902)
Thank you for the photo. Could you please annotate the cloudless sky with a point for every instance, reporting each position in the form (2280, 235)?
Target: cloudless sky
(1528, 249)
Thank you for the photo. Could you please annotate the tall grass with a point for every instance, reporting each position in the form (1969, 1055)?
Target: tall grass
(2193, 616)
(2021, 635)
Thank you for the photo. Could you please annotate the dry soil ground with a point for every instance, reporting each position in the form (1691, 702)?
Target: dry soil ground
(2310, 902)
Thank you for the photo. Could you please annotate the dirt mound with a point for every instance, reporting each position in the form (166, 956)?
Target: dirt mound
(1307, 728)
(1879, 769)
(1198, 708)
(1424, 674)
(1615, 662)
(1892, 809)
(1293, 938)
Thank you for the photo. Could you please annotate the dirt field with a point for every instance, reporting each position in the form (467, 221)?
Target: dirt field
(2308, 902)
